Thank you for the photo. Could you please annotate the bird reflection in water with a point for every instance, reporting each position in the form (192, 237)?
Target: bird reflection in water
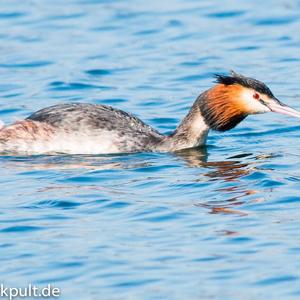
(68, 162)
(228, 171)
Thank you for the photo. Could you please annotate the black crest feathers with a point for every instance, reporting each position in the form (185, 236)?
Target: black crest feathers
(235, 78)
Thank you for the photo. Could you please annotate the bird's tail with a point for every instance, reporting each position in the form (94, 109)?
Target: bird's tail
(2, 125)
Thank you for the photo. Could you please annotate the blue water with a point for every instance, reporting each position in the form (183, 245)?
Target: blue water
(219, 223)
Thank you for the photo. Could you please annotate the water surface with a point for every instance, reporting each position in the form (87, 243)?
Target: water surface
(217, 223)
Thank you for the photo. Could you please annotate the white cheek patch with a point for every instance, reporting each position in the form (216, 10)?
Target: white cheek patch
(252, 105)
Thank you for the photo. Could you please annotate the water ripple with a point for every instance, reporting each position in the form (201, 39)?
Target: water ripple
(18, 229)
(34, 64)
(63, 86)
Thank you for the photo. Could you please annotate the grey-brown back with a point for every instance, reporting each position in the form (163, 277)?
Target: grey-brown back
(132, 133)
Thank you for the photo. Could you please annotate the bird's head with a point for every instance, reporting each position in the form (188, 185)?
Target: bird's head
(234, 97)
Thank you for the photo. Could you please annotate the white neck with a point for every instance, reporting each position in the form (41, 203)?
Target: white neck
(191, 132)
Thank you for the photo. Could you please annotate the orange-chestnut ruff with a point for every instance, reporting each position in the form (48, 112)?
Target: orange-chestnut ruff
(221, 107)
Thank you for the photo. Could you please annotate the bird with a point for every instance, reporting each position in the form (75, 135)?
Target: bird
(82, 128)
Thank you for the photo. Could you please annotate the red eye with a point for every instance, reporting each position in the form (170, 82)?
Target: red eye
(256, 96)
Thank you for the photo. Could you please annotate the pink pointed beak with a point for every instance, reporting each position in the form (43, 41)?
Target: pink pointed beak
(276, 106)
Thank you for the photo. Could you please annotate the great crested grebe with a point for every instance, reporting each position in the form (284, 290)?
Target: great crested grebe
(79, 128)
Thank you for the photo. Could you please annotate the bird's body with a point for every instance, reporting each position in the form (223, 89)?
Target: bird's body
(95, 129)
(79, 128)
